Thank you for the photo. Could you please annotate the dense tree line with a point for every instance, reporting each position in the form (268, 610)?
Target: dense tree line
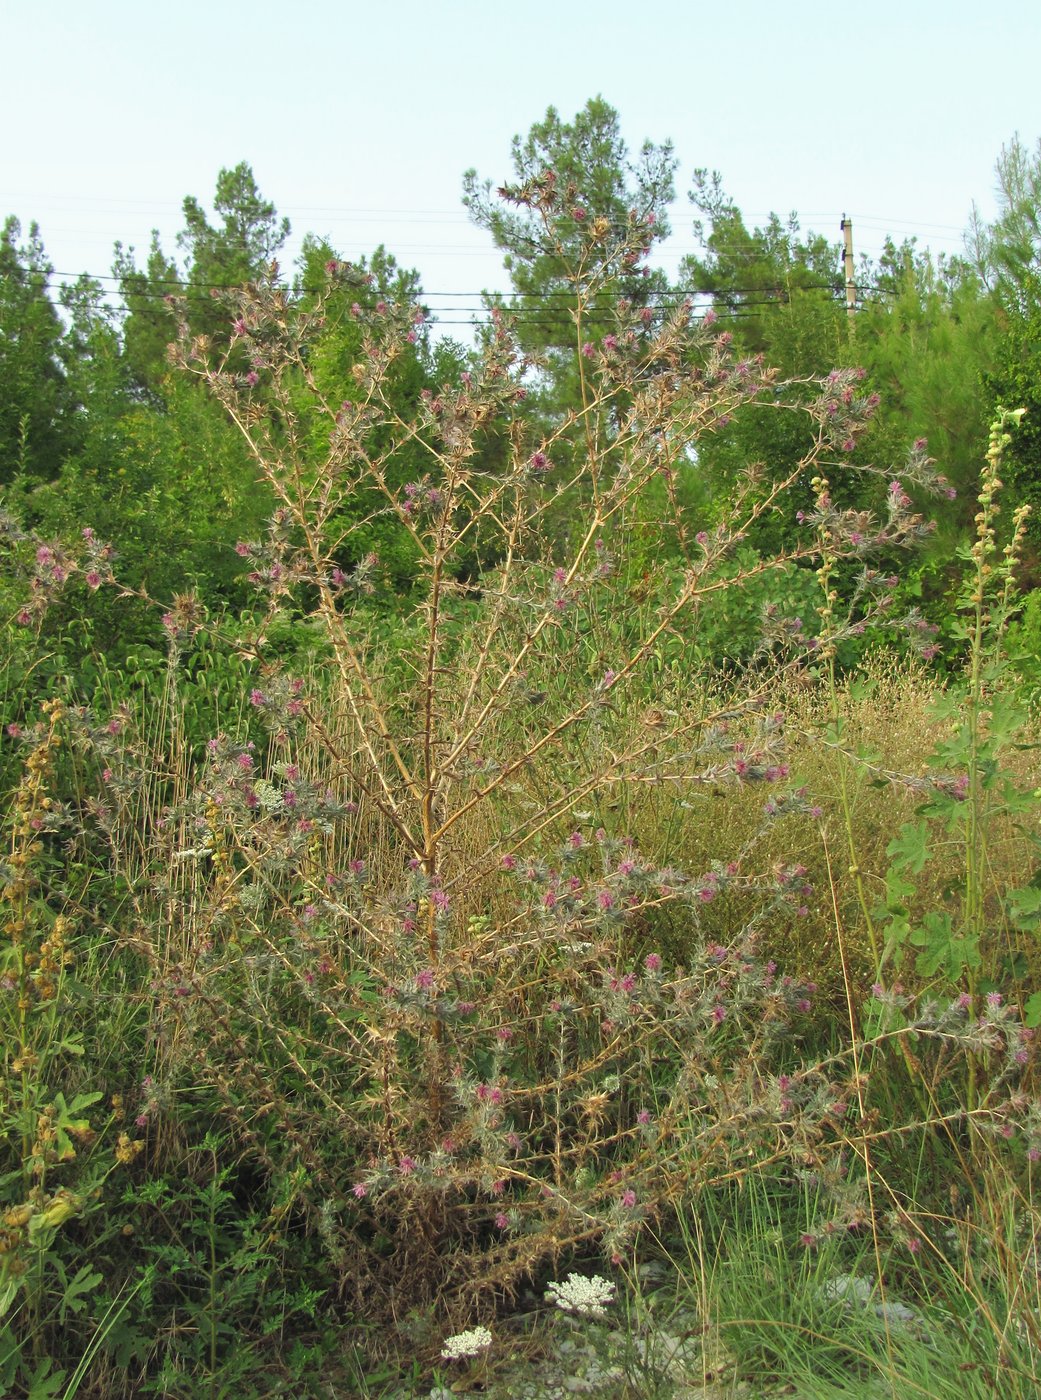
(96, 429)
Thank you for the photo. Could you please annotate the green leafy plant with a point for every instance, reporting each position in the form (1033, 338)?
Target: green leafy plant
(972, 942)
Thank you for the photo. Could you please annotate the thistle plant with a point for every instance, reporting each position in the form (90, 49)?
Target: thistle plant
(396, 929)
(517, 1077)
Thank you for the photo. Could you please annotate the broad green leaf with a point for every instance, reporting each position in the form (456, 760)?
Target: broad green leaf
(1024, 906)
(910, 850)
(45, 1383)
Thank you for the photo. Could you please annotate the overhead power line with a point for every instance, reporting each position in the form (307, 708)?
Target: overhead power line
(769, 294)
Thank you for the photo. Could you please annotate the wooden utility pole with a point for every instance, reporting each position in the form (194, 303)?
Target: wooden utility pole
(851, 287)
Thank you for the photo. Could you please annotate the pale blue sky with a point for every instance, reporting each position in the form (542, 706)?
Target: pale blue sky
(359, 119)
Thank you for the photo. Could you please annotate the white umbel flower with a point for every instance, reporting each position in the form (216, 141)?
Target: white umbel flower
(588, 1297)
(465, 1344)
